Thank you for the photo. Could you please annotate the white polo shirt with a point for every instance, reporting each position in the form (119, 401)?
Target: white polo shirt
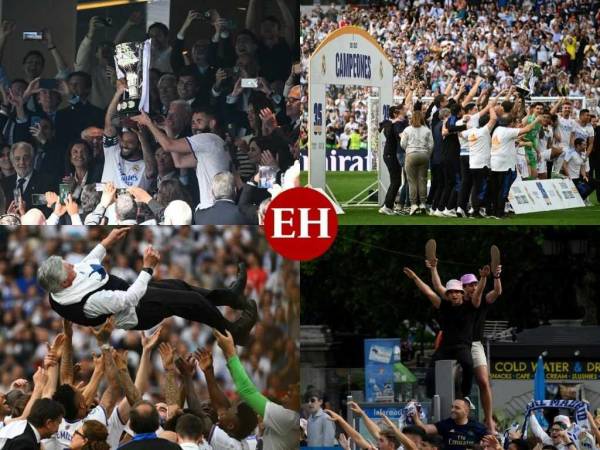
(565, 127)
(575, 161)
(121, 172)
(480, 143)
(504, 151)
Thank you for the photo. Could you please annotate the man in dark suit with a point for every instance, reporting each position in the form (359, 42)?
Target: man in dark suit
(224, 211)
(43, 421)
(144, 422)
(250, 200)
(25, 181)
(80, 114)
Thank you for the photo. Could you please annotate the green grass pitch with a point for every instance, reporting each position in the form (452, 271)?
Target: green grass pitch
(347, 184)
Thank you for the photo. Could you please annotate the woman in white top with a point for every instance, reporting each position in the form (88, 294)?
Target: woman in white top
(417, 140)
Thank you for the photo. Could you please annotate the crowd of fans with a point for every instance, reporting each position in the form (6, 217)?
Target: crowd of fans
(458, 56)
(220, 111)
(457, 432)
(33, 336)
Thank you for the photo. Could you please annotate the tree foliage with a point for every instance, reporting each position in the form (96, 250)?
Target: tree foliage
(358, 286)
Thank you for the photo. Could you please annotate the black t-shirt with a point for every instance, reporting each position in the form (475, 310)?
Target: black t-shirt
(459, 437)
(398, 129)
(391, 138)
(457, 323)
(595, 155)
(275, 62)
(479, 322)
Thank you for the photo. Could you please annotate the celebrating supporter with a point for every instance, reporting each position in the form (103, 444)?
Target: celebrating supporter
(457, 319)
(458, 431)
(240, 83)
(111, 389)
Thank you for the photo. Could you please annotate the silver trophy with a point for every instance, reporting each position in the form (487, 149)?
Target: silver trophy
(129, 59)
(531, 72)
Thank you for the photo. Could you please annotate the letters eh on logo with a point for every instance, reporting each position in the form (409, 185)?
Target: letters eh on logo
(300, 224)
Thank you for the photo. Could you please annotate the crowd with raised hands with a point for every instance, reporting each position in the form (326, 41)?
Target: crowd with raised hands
(463, 123)
(200, 256)
(432, 41)
(459, 431)
(475, 150)
(109, 411)
(221, 129)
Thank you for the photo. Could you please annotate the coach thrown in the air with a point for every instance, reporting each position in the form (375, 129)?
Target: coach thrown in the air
(87, 295)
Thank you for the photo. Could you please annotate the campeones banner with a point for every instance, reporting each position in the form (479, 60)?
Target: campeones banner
(554, 370)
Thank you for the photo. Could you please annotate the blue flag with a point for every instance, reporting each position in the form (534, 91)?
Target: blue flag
(539, 389)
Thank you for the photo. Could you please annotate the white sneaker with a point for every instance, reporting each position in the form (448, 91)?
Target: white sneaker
(422, 207)
(413, 210)
(437, 213)
(470, 403)
(449, 213)
(387, 211)
(471, 211)
(460, 212)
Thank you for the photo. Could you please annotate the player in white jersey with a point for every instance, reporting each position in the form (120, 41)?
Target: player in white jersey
(62, 439)
(205, 151)
(77, 403)
(127, 160)
(574, 166)
(479, 141)
(583, 129)
(564, 130)
(548, 148)
(504, 160)
(574, 163)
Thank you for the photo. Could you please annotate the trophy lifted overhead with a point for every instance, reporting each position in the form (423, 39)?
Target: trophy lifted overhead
(531, 73)
(132, 62)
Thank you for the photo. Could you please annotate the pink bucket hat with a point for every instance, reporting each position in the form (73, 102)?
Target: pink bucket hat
(468, 278)
(454, 285)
